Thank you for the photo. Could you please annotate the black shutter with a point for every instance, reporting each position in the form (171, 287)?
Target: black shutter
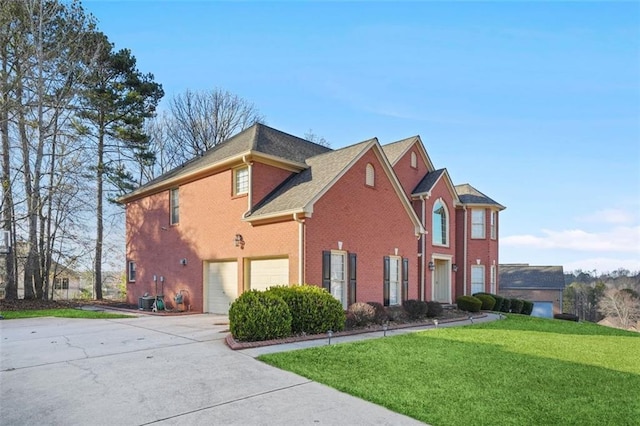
(385, 286)
(405, 278)
(352, 278)
(326, 270)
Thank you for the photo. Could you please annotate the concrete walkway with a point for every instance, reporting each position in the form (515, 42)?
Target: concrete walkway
(160, 370)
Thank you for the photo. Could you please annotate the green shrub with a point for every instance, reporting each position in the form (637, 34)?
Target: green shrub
(506, 305)
(416, 309)
(381, 313)
(566, 317)
(516, 306)
(397, 313)
(257, 316)
(499, 301)
(469, 303)
(313, 309)
(527, 307)
(360, 314)
(488, 301)
(434, 309)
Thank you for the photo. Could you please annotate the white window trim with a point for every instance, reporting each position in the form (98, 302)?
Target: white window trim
(345, 277)
(236, 191)
(484, 225)
(370, 175)
(414, 160)
(174, 205)
(477, 267)
(448, 221)
(398, 283)
(131, 267)
(493, 224)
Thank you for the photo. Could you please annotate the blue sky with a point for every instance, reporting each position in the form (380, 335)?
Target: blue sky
(535, 104)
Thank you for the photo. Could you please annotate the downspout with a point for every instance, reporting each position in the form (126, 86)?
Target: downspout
(300, 248)
(250, 184)
(464, 257)
(422, 249)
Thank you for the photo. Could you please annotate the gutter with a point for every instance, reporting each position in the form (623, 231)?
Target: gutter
(464, 261)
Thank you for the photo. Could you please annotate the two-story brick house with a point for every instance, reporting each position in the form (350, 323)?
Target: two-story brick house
(367, 222)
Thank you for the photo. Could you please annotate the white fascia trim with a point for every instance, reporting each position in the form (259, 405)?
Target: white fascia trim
(283, 213)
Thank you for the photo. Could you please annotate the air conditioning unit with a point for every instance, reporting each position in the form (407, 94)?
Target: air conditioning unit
(145, 303)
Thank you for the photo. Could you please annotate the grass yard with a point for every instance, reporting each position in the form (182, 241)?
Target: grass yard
(63, 313)
(518, 371)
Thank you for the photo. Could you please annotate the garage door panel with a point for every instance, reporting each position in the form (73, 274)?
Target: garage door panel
(542, 309)
(222, 286)
(265, 273)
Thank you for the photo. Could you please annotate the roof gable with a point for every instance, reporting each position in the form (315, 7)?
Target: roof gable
(259, 141)
(299, 193)
(518, 276)
(430, 181)
(396, 150)
(469, 195)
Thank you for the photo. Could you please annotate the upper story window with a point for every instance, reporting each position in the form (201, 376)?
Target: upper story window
(477, 223)
(241, 181)
(414, 160)
(440, 224)
(494, 229)
(174, 205)
(131, 271)
(370, 178)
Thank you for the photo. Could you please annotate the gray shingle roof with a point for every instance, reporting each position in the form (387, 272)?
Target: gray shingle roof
(513, 277)
(428, 181)
(301, 189)
(469, 195)
(258, 138)
(394, 150)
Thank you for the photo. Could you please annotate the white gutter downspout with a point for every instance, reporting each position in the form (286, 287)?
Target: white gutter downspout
(300, 248)
(423, 248)
(464, 260)
(250, 184)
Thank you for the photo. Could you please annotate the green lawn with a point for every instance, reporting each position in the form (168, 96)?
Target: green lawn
(64, 313)
(518, 371)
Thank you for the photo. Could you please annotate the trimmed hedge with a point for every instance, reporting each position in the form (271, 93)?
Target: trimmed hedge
(434, 309)
(527, 307)
(506, 305)
(566, 317)
(469, 303)
(256, 316)
(499, 301)
(488, 301)
(313, 309)
(360, 314)
(416, 309)
(516, 306)
(381, 313)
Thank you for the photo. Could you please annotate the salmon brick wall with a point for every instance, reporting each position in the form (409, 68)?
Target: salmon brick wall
(370, 221)
(408, 176)
(210, 217)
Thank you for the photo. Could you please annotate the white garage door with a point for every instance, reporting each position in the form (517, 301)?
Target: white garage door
(222, 286)
(542, 309)
(265, 273)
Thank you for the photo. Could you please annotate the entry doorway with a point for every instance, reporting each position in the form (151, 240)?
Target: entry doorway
(442, 280)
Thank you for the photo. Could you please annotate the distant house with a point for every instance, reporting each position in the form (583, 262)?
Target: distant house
(542, 285)
(368, 222)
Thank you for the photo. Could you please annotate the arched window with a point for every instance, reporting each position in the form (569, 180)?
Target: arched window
(440, 224)
(370, 179)
(414, 160)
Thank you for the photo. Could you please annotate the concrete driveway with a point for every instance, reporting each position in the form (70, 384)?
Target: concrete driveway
(152, 369)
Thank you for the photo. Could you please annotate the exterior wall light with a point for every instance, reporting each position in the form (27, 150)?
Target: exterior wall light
(454, 267)
(238, 241)
(432, 266)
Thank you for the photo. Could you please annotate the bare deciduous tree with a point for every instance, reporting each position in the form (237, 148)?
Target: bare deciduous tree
(201, 120)
(622, 306)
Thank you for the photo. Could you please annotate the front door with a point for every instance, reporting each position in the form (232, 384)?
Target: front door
(441, 281)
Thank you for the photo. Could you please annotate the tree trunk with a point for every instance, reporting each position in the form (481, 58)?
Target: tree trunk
(97, 266)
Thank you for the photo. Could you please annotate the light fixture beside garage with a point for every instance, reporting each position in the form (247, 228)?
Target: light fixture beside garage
(239, 241)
